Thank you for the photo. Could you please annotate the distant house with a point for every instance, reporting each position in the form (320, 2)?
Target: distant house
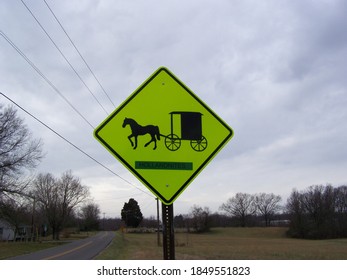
(23, 233)
(7, 231)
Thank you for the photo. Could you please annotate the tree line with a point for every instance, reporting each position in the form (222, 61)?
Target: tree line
(44, 202)
(318, 212)
(51, 204)
(245, 206)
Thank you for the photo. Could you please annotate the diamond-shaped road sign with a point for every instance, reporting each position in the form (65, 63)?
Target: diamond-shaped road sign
(164, 134)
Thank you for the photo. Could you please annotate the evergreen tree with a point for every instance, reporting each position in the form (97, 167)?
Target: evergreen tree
(131, 213)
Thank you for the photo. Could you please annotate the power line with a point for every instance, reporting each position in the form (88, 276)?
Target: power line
(74, 45)
(69, 142)
(18, 50)
(65, 58)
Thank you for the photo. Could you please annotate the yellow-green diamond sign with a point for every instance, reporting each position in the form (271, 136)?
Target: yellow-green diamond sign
(164, 134)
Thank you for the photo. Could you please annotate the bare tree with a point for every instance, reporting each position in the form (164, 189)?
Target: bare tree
(341, 199)
(341, 209)
(241, 206)
(46, 193)
(200, 218)
(296, 210)
(319, 205)
(89, 215)
(18, 152)
(318, 212)
(72, 192)
(16, 211)
(267, 205)
(59, 197)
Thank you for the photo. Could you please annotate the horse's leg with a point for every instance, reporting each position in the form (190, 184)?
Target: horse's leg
(155, 143)
(135, 142)
(129, 137)
(152, 139)
(148, 143)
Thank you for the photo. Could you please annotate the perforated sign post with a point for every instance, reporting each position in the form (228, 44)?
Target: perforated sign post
(164, 134)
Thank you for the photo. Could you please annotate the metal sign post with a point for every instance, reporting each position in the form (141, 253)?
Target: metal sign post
(168, 232)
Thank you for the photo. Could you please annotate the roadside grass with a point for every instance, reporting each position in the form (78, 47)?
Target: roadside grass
(132, 246)
(12, 249)
(229, 244)
(77, 235)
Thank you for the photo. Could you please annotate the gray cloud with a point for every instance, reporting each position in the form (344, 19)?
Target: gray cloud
(275, 71)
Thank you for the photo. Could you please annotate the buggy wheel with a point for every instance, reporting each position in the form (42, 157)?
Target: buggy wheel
(172, 142)
(199, 145)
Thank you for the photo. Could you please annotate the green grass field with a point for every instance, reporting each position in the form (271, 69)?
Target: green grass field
(220, 243)
(228, 244)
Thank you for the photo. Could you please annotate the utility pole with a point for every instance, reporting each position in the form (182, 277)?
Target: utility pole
(158, 223)
(33, 219)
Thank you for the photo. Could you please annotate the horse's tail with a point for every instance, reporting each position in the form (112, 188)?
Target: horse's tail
(157, 133)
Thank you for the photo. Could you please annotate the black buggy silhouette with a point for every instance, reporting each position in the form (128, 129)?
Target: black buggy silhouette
(191, 129)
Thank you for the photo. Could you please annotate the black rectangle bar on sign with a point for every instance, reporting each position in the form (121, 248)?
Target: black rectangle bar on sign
(167, 165)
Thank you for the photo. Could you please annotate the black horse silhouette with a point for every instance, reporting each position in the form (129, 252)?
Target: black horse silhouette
(137, 130)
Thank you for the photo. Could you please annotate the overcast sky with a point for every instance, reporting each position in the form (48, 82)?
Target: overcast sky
(275, 71)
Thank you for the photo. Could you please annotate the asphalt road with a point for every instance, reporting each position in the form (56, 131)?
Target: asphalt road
(83, 249)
